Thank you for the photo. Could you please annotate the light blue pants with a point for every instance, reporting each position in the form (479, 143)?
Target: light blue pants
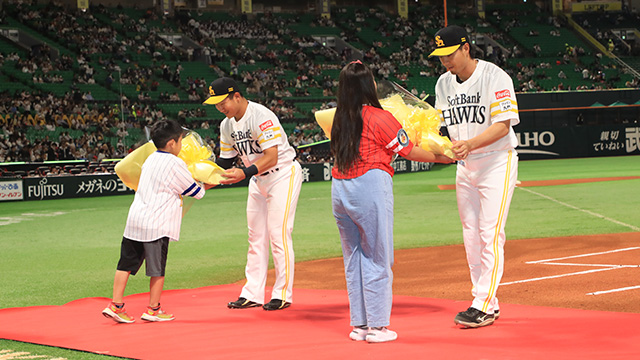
(363, 208)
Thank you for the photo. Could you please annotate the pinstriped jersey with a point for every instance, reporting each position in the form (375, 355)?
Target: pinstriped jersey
(469, 108)
(382, 137)
(258, 129)
(156, 210)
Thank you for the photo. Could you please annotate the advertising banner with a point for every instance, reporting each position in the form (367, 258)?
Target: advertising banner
(11, 190)
(322, 172)
(403, 8)
(83, 4)
(614, 140)
(246, 6)
(594, 6)
(65, 187)
(481, 8)
(551, 143)
(571, 142)
(325, 8)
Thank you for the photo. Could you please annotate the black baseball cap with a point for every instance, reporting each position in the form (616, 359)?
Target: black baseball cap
(220, 89)
(449, 39)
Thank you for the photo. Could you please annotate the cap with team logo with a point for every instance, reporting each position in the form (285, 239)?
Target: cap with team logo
(220, 89)
(449, 39)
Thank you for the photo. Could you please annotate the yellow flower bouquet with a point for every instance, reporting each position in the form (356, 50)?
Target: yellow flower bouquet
(419, 119)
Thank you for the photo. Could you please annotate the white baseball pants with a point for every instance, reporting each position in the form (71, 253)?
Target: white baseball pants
(271, 209)
(484, 187)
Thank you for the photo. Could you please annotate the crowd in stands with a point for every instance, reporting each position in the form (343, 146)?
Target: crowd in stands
(275, 64)
(95, 124)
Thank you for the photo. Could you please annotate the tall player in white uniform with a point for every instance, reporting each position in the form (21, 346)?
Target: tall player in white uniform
(477, 103)
(253, 132)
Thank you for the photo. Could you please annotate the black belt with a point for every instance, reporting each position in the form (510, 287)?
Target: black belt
(269, 172)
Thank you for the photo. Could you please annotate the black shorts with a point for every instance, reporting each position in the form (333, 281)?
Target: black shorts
(154, 253)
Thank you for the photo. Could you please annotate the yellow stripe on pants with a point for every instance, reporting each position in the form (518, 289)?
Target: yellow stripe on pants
(496, 237)
(285, 221)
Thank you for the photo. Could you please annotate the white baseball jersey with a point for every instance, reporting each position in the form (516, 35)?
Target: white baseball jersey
(486, 179)
(272, 200)
(156, 210)
(258, 129)
(469, 108)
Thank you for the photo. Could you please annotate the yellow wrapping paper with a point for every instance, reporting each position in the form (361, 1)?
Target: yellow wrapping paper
(195, 153)
(194, 149)
(206, 171)
(129, 168)
(420, 121)
(325, 120)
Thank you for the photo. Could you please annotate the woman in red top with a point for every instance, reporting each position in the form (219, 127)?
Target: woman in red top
(364, 138)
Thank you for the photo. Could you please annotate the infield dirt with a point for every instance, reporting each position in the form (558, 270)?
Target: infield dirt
(594, 272)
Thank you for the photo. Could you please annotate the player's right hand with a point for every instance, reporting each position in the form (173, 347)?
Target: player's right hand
(232, 176)
(461, 149)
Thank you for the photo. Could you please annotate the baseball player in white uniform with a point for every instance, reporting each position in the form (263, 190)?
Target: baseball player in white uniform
(253, 133)
(476, 102)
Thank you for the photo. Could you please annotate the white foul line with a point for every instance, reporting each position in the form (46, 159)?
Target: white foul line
(595, 265)
(556, 276)
(583, 255)
(614, 290)
(606, 267)
(635, 228)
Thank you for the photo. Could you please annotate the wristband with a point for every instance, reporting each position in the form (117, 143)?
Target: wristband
(250, 171)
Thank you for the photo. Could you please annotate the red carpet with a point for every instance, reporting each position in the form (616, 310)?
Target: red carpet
(316, 326)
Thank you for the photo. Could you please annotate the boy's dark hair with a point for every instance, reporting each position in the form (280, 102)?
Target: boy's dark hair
(164, 130)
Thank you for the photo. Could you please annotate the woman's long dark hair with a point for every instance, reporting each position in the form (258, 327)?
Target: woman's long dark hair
(355, 89)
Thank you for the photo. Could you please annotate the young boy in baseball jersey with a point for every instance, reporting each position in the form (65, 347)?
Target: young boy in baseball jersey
(477, 103)
(253, 133)
(154, 219)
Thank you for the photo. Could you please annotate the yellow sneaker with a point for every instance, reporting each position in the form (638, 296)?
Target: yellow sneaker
(117, 314)
(156, 315)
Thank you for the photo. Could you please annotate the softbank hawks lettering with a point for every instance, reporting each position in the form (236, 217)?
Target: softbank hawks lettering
(244, 144)
(241, 135)
(463, 110)
(42, 189)
(463, 99)
(248, 147)
(473, 114)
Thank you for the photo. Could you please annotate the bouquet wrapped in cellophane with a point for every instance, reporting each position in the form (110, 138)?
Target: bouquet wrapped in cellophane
(419, 119)
(200, 159)
(195, 152)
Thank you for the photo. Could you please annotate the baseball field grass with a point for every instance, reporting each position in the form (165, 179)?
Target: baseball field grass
(56, 251)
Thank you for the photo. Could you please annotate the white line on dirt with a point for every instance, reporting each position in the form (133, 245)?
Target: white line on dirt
(614, 290)
(635, 228)
(595, 265)
(556, 276)
(582, 255)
